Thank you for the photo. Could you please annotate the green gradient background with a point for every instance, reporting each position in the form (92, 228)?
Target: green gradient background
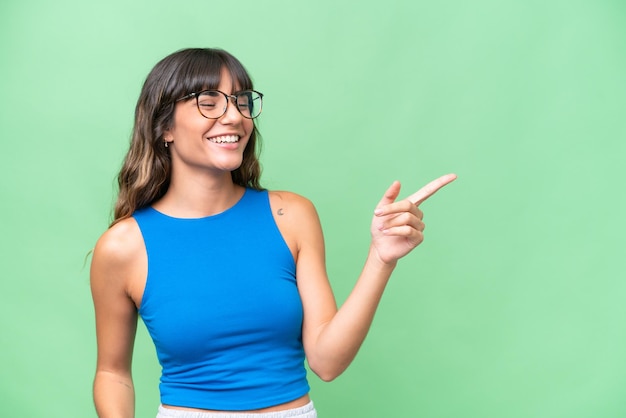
(514, 306)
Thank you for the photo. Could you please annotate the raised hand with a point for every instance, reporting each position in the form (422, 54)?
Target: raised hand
(397, 227)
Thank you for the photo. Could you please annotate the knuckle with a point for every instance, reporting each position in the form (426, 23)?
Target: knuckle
(419, 237)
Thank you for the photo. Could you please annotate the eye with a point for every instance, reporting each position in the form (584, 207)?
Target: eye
(243, 101)
(210, 99)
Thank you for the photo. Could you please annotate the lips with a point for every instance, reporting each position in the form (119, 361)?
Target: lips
(225, 139)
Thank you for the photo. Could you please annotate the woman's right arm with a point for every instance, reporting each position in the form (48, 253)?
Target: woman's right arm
(118, 260)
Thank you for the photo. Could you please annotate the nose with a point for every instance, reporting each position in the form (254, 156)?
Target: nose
(232, 114)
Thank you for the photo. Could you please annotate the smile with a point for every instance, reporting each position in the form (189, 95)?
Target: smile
(225, 139)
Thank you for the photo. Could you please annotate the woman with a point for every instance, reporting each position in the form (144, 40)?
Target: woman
(229, 278)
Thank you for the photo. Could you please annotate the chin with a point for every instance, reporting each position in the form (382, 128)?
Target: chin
(230, 167)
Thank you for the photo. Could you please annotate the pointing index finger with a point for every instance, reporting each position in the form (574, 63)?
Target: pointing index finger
(430, 189)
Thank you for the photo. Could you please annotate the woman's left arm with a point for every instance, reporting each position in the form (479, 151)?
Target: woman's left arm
(332, 336)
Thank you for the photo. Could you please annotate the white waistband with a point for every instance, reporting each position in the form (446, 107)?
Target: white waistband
(306, 411)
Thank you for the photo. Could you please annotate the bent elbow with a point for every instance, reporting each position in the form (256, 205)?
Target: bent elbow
(327, 373)
(327, 377)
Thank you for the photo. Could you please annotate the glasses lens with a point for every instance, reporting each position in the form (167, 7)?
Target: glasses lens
(249, 103)
(212, 104)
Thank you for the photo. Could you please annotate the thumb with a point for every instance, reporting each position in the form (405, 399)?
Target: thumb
(390, 195)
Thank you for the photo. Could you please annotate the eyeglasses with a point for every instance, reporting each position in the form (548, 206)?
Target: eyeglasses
(212, 104)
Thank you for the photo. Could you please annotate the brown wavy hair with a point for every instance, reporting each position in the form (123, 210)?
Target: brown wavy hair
(145, 173)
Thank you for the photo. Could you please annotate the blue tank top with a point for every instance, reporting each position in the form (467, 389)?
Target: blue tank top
(222, 306)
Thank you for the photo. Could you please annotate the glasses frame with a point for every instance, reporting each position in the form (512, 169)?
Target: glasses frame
(228, 97)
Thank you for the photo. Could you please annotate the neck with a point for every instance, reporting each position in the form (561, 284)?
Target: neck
(199, 196)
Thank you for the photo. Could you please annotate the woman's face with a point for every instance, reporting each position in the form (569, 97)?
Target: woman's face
(198, 144)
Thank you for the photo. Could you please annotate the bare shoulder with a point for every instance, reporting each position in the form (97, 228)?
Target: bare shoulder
(296, 219)
(120, 243)
(119, 259)
(290, 204)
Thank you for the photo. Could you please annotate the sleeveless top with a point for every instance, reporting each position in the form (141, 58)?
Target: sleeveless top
(221, 304)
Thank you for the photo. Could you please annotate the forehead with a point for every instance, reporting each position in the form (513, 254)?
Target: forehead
(227, 83)
(208, 73)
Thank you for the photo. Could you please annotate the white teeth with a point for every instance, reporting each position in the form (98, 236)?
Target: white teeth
(225, 138)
